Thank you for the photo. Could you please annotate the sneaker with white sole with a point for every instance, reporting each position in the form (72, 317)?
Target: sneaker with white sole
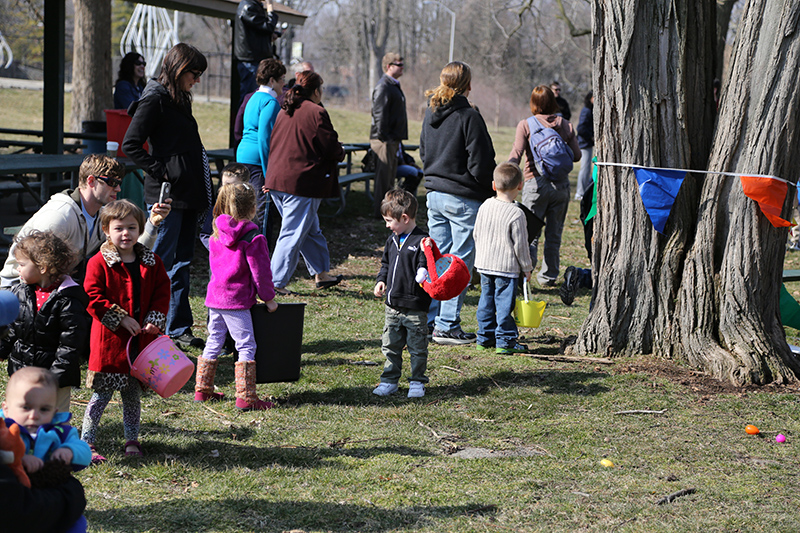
(453, 337)
(385, 389)
(416, 389)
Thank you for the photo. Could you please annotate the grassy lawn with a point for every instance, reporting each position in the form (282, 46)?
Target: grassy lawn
(498, 443)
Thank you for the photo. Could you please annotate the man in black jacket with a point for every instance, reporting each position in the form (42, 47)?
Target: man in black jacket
(253, 30)
(563, 105)
(389, 126)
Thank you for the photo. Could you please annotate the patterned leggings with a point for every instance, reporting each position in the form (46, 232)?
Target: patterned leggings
(131, 412)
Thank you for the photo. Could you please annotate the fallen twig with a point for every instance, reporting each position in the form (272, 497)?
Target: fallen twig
(669, 498)
(435, 435)
(569, 358)
(641, 412)
(213, 411)
(341, 442)
(453, 369)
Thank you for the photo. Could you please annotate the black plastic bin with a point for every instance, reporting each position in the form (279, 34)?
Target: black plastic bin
(94, 146)
(279, 337)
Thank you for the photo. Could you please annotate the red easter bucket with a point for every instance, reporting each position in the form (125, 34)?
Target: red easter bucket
(161, 366)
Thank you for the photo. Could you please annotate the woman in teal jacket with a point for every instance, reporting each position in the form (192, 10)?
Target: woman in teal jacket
(259, 118)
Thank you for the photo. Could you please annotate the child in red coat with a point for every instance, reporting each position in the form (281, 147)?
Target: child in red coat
(129, 292)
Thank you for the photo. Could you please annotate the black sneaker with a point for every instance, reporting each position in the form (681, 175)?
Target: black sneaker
(187, 340)
(430, 332)
(570, 286)
(453, 337)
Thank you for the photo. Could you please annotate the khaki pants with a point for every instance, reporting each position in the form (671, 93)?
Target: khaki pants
(63, 399)
(385, 170)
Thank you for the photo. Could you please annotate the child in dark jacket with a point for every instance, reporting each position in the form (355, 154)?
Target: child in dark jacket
(240, 271)
(406, 303)
(129, 291)
(52, 328)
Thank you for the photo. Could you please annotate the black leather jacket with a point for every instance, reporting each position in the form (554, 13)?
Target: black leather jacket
(253, 29)
(56, 337)
(389, 121)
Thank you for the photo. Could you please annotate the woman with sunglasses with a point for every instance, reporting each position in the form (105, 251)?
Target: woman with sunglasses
(163, 116)
(130, 80)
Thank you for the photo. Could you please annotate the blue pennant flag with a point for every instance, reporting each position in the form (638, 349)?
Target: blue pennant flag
(658, 189)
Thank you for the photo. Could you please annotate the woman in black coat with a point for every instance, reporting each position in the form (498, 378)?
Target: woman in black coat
(163, 116)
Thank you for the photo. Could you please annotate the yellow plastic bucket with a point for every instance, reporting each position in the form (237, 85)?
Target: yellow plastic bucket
(528, 314)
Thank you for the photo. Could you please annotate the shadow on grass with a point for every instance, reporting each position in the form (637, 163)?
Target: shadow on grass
(261, 514)
(549, 381)
(325, 346)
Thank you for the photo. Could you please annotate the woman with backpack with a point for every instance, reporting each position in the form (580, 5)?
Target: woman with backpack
(546, 171)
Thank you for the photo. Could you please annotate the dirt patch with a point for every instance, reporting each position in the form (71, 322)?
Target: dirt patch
(485, 453)
(698, 382)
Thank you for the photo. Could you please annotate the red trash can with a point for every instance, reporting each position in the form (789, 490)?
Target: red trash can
(117, 122)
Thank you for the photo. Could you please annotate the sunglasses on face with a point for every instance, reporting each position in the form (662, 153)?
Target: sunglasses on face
(196, 74)
(141, 63)
(397, 64)
(111, 182)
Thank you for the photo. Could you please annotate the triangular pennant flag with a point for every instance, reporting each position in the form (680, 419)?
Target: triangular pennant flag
(770, 195)
(658, 189)
(593, 211)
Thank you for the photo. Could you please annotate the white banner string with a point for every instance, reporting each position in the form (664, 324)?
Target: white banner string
(734, 174)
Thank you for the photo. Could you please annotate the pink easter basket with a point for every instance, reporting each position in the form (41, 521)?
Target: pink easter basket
(161, 366)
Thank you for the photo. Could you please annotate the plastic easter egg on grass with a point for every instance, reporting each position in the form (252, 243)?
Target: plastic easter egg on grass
(780, 438)
(750, 429)
(607, 463)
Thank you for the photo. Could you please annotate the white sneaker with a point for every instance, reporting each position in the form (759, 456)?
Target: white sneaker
(416, 389)
(385, 389)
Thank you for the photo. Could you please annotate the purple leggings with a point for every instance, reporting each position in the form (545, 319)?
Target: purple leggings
(239, 322)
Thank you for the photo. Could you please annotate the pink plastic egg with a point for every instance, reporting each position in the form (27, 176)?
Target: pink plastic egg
(779, 438)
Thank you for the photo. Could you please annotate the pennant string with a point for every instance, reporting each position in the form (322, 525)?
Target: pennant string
(732, 174)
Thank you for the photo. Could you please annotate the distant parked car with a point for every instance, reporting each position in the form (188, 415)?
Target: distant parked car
(337, 91)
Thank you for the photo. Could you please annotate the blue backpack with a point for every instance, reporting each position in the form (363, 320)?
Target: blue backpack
(551, 155)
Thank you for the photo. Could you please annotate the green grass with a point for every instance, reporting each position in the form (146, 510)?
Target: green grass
(334, 457)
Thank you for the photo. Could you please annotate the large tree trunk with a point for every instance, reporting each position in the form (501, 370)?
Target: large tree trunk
(653, 70)
(91, 65)
(707, 291)
(729, 320)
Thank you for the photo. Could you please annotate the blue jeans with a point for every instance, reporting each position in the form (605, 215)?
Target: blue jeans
(300, 235)
(247, 78)
(175, 246)
(451, 220)
(495, 323)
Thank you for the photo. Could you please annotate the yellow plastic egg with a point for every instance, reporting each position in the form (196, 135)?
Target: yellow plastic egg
(607, 463)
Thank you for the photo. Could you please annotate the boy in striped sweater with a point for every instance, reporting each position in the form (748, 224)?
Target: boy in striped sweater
(501, 255)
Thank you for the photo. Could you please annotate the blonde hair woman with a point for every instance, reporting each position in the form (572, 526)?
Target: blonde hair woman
(458, 160)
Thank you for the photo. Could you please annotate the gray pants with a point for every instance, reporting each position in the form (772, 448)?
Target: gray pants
(549, 203)
(405, 327)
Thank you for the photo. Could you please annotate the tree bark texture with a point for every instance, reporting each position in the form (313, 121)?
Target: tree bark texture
(92, 80)
(729, 313)
(653, 74)
(707, 291)
(376, 31)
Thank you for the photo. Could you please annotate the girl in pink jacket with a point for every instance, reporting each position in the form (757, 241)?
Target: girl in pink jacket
(240, 271)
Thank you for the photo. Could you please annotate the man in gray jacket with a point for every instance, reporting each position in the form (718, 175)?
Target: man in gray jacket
(389, 126)
(72, 215)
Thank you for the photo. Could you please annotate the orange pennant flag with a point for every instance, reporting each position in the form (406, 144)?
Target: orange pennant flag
(770, 195)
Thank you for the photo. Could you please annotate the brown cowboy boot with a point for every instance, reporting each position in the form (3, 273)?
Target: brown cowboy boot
(204, 380)
(246, 397)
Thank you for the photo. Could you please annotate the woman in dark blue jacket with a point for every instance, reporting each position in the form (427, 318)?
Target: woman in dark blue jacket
(163, 116)
(586, 142)
(130, 80)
